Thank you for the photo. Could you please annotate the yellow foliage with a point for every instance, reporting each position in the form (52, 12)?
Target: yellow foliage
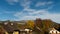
(30, 24)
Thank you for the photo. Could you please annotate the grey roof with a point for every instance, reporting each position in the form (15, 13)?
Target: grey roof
(10, 28)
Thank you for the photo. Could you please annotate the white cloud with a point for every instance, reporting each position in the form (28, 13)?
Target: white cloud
(50, 2)
(43, 14)
(39, 11)
(18, 14)
(25, 3)
(33, 13)
(43, 3)
(11, 2)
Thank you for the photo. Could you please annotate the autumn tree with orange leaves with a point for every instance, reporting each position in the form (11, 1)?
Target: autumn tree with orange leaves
(38, 22)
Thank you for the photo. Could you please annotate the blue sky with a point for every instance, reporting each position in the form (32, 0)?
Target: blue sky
(30, 9)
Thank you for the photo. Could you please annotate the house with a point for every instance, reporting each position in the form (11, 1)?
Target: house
(28, 30)
(25, 31)
(11, 28)
(6, 33)
(53, 31)
(16, 32)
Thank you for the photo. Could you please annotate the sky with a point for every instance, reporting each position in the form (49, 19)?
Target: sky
(30, 9)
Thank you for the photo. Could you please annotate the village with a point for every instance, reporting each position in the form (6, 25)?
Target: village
(14, 27)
